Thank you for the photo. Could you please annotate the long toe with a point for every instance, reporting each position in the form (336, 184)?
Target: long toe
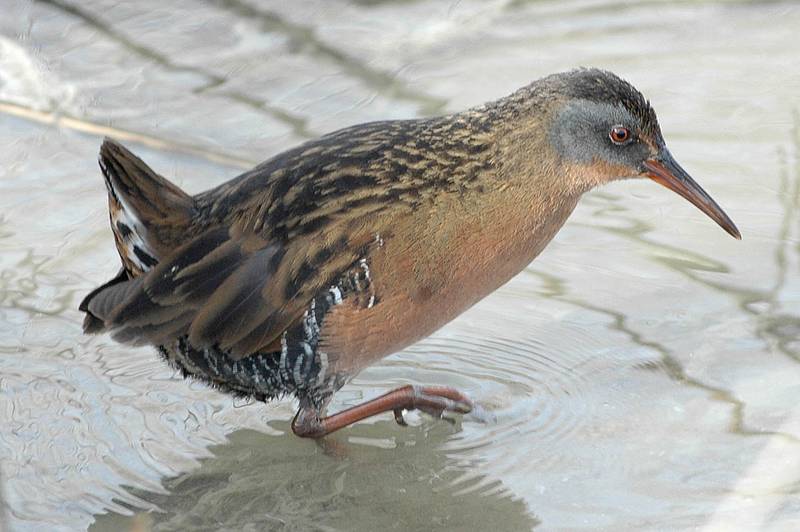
(436, 406)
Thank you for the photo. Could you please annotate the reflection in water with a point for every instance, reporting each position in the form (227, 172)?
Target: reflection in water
(668, 363)
(304, 37)
(365, 482)
(211, 79)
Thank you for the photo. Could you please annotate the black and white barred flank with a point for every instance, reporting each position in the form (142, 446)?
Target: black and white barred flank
(299, 368)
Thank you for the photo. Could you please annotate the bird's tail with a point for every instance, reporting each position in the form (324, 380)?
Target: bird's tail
(148, 213)
(149, 216)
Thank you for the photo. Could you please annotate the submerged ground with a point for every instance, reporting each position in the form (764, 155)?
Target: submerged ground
(644, 371)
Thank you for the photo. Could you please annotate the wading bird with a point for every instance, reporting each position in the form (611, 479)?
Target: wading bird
(295, 275)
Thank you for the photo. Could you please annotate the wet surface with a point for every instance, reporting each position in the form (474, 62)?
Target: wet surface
(644, 371)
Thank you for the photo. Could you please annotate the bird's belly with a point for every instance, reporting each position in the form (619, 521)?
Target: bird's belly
(354, 337)
(420, 288)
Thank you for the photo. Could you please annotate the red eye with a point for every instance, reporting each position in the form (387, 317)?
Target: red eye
(619, 134)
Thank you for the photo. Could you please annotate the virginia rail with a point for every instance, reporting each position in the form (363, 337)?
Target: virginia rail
(293, 276)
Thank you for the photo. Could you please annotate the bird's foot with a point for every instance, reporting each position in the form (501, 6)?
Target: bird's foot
(433, 400)
(436, 401)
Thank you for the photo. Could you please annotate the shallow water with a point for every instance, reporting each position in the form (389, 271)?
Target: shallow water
(643, 372)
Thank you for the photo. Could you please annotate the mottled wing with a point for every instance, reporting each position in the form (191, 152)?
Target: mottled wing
(286, 230)
(235, 291)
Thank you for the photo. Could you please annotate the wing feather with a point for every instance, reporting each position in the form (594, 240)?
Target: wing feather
(222, 288)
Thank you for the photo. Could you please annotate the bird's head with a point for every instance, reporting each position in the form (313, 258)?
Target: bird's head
(603, 129)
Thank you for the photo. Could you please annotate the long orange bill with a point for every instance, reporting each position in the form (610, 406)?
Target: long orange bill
(664, 170)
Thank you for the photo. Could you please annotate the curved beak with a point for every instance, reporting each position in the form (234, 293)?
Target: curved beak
(664, 170)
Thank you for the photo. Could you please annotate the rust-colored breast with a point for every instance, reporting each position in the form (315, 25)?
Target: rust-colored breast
(422, 279)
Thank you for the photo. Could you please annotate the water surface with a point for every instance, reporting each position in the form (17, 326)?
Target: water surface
(644, 371)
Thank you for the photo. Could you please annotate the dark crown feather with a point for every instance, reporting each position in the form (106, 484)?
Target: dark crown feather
(598, 85)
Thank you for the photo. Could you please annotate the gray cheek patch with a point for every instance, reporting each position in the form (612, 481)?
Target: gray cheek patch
(580, 130)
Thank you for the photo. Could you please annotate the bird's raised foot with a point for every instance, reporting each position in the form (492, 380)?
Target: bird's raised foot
(435, 401)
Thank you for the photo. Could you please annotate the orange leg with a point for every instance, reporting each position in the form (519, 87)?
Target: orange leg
(433, 400)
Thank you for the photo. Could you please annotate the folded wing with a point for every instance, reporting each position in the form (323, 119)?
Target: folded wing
(218, 289)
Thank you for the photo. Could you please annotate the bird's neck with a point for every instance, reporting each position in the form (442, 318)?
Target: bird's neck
(522, 201)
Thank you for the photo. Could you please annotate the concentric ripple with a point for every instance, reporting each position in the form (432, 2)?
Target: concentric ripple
(540, 388)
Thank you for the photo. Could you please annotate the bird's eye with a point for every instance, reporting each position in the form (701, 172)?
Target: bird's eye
(619, 134)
